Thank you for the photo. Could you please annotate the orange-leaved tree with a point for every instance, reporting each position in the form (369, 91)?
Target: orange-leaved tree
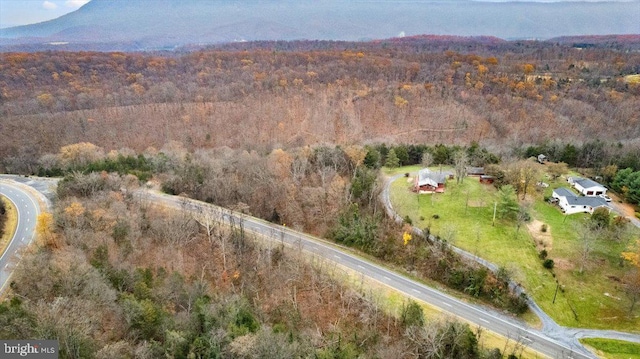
(632, 279)
(45, 229)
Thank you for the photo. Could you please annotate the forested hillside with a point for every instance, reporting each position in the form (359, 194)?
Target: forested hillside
(268, 95)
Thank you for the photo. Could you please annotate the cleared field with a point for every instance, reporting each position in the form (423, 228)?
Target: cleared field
(463, 215)
(613, 349)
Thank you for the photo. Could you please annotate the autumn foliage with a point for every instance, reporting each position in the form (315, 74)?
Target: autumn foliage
(262, 96)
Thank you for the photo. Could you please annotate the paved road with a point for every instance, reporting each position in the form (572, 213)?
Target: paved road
(556, 342)
(621, 211)
(28, 210)
(481, 316)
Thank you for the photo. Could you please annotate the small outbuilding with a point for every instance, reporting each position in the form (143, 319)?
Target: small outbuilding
(486, 179)
(587, 187)
(542, 158)
(475, 171)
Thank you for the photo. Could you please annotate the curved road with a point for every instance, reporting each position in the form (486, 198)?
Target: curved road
(552, 343)
(28, 210)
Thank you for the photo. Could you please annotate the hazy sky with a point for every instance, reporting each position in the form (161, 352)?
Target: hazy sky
(21, 12)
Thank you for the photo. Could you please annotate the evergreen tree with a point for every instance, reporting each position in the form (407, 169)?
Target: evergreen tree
(392, 160)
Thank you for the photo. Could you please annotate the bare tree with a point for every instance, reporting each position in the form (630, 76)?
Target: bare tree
(529, 171)
(587, 236)
(427, 159)
(460, 161)
(632, 287)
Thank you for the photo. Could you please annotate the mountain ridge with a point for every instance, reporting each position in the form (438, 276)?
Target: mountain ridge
(170, 23)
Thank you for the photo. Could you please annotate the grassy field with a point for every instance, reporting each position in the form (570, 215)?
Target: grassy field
(593, 298)
(613, 349)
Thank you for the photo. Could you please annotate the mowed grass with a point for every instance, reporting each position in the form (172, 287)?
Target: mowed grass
(613, 349)
(593, 298)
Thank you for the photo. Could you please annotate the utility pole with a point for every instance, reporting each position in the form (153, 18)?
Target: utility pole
(556, 293)
(466, 204)
(495, 207)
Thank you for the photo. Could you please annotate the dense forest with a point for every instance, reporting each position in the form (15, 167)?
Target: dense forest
(262, 96)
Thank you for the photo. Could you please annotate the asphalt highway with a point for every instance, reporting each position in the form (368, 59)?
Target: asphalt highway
(480, 316)
(560, 343)
(28, 211)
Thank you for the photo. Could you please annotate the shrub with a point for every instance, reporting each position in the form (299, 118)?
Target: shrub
(543, 228)
(600, 218)
(435, 216)
(548, 263)
(543, 254)
(408, 220)
(412, 314)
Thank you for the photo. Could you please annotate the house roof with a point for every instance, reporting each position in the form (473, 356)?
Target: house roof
(564, 192)
(587, 183)
(587, 201)
(426, 177)
(475, 170)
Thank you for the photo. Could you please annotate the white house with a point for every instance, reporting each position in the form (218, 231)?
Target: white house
(562, 192)
(587, 187)
(571, 203)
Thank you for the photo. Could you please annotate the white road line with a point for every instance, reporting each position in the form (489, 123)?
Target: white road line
(417, 291)
(361, 267)
(484, 320)
(448, 305)
(387, 278)
(337, 257)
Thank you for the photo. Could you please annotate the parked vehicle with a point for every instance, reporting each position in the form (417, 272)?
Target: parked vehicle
(605, 197)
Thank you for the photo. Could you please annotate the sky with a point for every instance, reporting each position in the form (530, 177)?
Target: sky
(22, 12)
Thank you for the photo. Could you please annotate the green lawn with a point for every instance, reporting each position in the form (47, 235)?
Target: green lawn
(467, 211)
(613, 349)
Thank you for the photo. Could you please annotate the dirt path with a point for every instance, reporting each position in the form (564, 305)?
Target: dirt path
(543, 240)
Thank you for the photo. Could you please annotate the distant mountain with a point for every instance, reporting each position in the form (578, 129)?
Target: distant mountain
(165, 24)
